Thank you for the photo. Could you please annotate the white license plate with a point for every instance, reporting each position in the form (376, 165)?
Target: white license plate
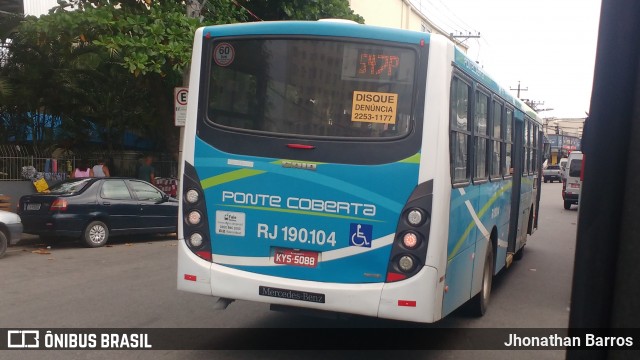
(33, 206)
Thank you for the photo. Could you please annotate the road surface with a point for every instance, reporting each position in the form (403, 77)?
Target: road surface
(132, 284)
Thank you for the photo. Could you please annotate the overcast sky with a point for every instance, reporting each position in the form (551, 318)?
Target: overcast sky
(548, 45)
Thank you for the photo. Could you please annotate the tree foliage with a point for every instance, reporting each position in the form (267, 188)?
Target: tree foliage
(106, 66)
(301, 9)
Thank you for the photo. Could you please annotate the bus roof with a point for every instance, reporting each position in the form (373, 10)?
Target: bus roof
(321, 28)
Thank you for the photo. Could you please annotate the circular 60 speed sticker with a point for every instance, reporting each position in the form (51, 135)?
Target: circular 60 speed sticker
(223, 54)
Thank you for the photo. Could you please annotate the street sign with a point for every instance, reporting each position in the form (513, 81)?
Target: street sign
(180, 95)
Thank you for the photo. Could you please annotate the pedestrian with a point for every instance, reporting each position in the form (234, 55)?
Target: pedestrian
(101, 170)
(82, 170)
(146, 172)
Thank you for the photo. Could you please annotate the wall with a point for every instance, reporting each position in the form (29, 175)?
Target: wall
(399, 14)
(16, 189)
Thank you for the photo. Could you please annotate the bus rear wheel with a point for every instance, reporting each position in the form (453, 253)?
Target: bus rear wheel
(567, 205)
(480, 302)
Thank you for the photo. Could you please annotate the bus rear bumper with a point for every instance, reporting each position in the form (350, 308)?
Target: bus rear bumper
(412, 299)
(360, 299)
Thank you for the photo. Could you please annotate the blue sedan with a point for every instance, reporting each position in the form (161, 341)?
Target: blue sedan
(92, 209)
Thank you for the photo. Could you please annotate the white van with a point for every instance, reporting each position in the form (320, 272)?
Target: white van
(563, 168)
(573, 184)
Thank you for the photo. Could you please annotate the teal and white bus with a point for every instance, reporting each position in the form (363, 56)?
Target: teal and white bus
(353, 169)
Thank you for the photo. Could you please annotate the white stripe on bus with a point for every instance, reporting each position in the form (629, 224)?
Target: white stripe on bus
(325, 256)
(479, 223)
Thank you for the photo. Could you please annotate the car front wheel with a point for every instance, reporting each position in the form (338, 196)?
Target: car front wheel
(95, 234)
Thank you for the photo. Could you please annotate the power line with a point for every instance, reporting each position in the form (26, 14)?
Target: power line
(460, 18)
(464, 24)
(439, 21)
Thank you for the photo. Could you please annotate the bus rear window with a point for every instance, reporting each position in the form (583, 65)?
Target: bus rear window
(574, 168)
(310, 87)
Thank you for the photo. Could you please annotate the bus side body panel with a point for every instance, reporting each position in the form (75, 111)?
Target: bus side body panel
(476, 211)
(434, 165)
(189, 265)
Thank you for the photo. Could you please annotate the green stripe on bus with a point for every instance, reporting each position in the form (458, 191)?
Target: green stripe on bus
(299, 212)
(484, 209)
(229, 177)
(413, 159)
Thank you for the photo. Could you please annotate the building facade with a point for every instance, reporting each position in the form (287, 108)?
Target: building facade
(399, 14)
(565, 136)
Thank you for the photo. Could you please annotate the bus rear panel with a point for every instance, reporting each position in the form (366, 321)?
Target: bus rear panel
(305, 158)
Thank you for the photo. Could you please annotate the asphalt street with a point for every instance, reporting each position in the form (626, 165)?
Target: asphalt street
(131, 283)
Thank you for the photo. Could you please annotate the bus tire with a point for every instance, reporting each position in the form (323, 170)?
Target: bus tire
(480, 302)
(519, 254)
(95, 234)
(567, 205)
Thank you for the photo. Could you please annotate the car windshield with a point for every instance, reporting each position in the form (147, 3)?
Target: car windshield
(553, 167)
(69, 187)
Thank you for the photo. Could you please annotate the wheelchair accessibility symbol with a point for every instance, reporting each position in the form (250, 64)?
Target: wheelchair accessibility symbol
(360, 235)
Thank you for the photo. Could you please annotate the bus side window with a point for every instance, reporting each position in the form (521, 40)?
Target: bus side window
(496, 150)
(460, 130)
(507, 165)
(481, 135)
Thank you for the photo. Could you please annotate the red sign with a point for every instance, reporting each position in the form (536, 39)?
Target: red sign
(296, 257)
(377, 66)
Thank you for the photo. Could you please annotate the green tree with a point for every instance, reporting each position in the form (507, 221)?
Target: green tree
(301, 9)
(114, 63)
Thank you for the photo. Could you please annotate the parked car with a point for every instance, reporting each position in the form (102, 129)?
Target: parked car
(10, 230)
(552, 173)
(93, 209)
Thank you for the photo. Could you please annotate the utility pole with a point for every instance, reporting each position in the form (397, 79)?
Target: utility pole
(519, 89)
(465, 37)
(533, 104)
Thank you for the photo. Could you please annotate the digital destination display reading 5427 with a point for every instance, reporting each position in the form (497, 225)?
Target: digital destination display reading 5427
(375, 65)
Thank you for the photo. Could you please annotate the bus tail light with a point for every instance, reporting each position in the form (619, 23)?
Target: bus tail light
(406, 263)
(194, 214)
(410, 240)
(409, 250)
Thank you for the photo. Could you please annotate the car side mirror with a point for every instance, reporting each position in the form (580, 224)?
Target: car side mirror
(163, 199)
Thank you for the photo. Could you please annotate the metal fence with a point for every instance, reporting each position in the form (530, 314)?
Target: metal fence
(17, 162)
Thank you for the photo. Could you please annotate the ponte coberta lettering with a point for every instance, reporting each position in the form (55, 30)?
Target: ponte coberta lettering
(299, 203)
